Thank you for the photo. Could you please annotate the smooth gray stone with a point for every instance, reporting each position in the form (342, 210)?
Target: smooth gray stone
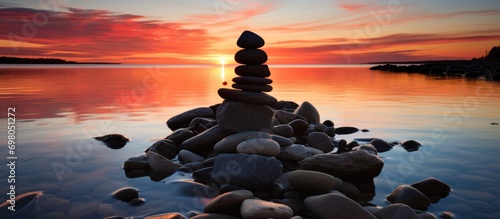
(410, 196)
(284, 130)
(227, 201)
(299, 126)
(253, 70)
(285, 117)
(252, 80)
(295, 152)
(229, 143)
(320, 141)
(166, 148)
(186, 156)
(239, 117)
(381, 145)
(250, 40)
(246, 97)
(432, 187)
(250, 56)
(182, 120)
(261, 146)
(180, 135)
(308, 111)
(354, 163)
(306, 182)
(253, 208)
(204, 142)
(282, 141)
(333, 205)
(160, 164)
(246, 171)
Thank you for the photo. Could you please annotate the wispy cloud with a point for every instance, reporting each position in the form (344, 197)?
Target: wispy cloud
(87, 33)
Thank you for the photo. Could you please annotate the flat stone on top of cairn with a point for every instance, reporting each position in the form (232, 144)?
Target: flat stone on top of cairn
(246, 107)
(250, 40)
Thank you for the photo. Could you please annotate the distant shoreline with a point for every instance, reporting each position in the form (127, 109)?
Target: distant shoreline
(30, 61)
(415, 62)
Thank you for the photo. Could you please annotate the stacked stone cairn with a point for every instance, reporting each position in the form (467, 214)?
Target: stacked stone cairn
(262, 158)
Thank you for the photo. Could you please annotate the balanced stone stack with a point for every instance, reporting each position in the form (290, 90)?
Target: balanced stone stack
(246, 107)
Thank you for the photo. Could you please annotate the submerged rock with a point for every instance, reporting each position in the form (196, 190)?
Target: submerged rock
(410, 196)
(345, 130)
(113, 141)
(433, 188)
(410, 145)
(126, 194)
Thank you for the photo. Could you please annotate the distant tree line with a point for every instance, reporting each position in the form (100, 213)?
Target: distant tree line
(493, 54)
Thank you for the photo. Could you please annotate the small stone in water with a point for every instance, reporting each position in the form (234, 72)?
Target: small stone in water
(113, 141)
(126, 194)
(224, 83)
(446, 215)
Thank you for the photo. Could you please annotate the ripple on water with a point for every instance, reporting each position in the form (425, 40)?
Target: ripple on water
(470, 194)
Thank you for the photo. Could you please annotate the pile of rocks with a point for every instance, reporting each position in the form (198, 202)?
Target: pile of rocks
(246, 108)
(275, 159)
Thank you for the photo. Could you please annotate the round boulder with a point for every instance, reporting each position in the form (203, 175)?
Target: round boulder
(307, 182)
(261, 146)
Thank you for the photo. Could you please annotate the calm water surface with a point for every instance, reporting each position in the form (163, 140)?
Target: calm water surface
(59, 110)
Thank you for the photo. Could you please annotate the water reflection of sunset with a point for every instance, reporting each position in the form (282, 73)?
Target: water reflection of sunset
(77, 91)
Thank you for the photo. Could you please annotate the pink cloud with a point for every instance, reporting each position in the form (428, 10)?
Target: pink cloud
(87, 33)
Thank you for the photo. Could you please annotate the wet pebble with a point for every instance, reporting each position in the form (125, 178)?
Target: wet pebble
(345, 130)
(381, 145)
(252, 208)
(228, 201)
(410, 196)
(126, 194)
(161, 164)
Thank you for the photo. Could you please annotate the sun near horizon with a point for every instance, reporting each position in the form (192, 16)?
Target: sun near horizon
(328, 32)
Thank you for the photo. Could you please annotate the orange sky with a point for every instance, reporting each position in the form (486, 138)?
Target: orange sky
(204, 32)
